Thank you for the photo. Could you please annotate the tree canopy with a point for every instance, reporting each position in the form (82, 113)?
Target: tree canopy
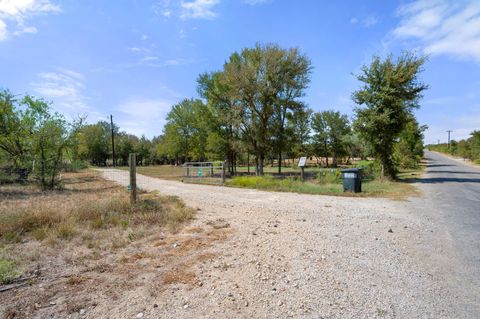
(391, 91)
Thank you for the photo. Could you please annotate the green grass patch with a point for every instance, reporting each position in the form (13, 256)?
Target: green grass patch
(284, 185)
(374, 188)
(7, 270)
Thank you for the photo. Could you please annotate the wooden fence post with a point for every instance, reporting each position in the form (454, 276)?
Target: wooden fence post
(223, 172)
(133, 177)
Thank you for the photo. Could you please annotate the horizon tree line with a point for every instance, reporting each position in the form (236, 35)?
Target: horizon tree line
(251, 109)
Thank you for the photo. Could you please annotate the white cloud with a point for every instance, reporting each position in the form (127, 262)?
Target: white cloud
(149, 58)
(442, 27)
(15, 13)
(199, 9)
(143, 116)
(3, 30)
(138, 49)
(190, 9)
(65, 89)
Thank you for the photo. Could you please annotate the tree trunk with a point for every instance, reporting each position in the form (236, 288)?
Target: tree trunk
(280, 163)
(261, 164)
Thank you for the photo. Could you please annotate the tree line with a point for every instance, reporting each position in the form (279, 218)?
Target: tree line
(466, 148)
(254, 106)
(252, 110)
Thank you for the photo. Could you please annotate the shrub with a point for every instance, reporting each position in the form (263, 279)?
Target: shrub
(7, 270)
(329, 176)
(74, 166)
(370, 170)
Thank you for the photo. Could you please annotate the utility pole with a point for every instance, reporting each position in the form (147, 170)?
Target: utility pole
(449, 131)
(113, 142)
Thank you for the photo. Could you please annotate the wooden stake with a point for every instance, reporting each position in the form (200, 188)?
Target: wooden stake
(133, 177)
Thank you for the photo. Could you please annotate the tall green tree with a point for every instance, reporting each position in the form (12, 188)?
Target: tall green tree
(186, 130)
(95, 143)
(391, 91)
(409, 147)
(299, 124)
(265, 81)
(223, 136)
(331, 130)
(50, 144)
(19, 121)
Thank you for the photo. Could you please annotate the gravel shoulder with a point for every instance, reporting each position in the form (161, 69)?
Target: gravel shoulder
(307, 256)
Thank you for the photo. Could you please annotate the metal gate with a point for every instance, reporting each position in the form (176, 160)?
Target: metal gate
(204, 172)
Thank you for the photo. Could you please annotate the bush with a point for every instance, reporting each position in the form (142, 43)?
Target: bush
(7, 270)
(329, 176)
(370, 169)
(74, 166)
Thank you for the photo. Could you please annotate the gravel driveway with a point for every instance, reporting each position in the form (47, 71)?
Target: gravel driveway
(308, 256)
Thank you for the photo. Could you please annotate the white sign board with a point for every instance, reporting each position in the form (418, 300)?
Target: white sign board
(302, 161)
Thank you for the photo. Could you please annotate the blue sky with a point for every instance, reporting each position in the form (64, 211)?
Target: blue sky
(135, 58)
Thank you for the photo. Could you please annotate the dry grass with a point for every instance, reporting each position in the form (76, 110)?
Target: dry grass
(86, 202)
(179, 275)
(90, 246)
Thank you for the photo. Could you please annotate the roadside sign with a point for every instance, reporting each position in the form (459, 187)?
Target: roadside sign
(302, 162)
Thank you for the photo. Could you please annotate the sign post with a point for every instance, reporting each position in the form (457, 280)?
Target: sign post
(301, 164)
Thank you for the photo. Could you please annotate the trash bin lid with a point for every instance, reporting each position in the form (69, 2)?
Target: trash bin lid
(351, 170)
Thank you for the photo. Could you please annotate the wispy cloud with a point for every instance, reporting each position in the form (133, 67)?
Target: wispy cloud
(442, 27)
(14, 15)
(188, 9)
(138, 49)
(368, 21)
(255, 2)
(199, 9)
(143, 115)
(65, 88)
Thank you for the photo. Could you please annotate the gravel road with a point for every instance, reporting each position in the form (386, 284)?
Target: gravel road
(307, 256)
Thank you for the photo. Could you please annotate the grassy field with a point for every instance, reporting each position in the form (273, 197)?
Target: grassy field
(88, 211)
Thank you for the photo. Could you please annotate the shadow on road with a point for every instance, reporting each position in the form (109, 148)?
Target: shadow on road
(432, 180)
(454, 172)
(439, 165)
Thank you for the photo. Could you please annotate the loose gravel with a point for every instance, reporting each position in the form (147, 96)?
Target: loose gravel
(307, 256)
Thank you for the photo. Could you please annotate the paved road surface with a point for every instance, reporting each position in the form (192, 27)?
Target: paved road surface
(452, 192)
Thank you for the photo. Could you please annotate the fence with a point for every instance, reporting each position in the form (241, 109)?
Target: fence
(204, 172)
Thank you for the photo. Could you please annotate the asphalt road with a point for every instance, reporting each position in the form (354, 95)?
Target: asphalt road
(452, 194)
